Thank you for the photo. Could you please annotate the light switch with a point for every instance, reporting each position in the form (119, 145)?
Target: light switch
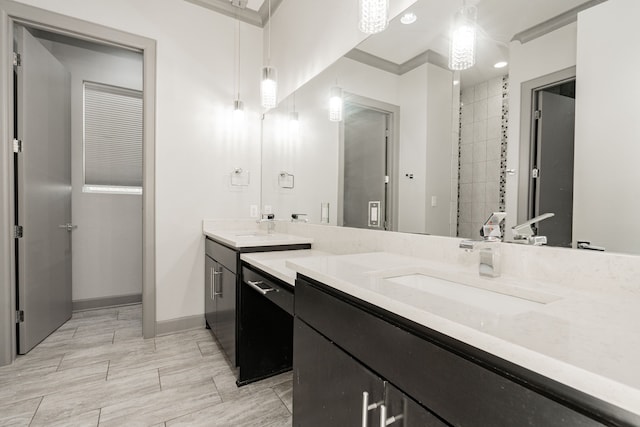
(434, 201)
(253, 211)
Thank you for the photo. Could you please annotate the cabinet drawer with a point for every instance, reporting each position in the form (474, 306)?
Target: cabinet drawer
(457, 389)
(224, 255)
(282, 295)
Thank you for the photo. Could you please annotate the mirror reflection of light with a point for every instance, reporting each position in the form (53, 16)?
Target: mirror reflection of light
(462, 53)
(238, 111)
(408, 18)
(294, 124)
(335, 104)
(269, 87)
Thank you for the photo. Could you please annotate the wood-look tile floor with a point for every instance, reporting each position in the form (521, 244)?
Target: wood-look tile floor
(97, 370)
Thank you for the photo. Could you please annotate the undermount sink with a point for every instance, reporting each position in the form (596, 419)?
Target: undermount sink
(253, 234)
(502, 300)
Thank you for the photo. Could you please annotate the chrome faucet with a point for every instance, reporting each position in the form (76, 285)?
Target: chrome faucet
(270, 220)
(299, 217)
(525, 232)
(489, 252)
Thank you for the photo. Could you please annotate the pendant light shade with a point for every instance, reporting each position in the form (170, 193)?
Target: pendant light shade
(269, 82)
(462, 48)
(374, 16)
(335, 104)
(269, 87)
(238, 109)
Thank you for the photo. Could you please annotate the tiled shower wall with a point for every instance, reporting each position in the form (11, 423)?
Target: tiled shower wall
(482, 158)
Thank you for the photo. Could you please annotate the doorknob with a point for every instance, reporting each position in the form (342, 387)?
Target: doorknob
(68, 227)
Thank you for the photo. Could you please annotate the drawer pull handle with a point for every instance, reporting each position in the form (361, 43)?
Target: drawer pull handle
(366, 408)
(255, 286)
(384, 421)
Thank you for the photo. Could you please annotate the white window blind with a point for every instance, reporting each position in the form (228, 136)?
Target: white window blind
(112, 136)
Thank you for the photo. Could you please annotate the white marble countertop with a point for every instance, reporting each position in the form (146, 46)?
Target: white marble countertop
(254, 238)
(588, 340)
(274, 262)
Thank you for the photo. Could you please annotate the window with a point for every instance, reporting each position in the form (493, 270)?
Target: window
(112, 139)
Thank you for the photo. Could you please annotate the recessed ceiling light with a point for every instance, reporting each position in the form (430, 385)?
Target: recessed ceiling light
(408, 18)
(500, 64)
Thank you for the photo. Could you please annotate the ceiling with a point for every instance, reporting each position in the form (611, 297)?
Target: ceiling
(498, 22)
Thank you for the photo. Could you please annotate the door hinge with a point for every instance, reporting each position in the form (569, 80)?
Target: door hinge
(17, 59)
(17, 146)
(537, 114)
(386, 132)
(386, 179)
(535, 173)
(19, 316)
(17, 231)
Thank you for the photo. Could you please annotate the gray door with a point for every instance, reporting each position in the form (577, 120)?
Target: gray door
(554, 185)
(43, 192)
(365, 166)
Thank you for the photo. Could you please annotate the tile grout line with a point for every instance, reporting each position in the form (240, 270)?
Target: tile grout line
(36, 411)
(60, 363)
(283, 404)
(106, 378)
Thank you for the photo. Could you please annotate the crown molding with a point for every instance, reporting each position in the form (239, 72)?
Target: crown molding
(554, 23)
(259, 18)
(427, 57)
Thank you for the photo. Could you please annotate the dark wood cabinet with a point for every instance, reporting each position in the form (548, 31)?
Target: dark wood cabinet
(344, 346)
(220, 296)
(223, 296)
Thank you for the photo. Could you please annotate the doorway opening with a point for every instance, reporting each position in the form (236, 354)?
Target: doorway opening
(14, 16)
(552, 148)
(367, 193)
(545, 182)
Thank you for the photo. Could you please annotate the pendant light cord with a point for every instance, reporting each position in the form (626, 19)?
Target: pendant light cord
(269, 44)
(237, 73)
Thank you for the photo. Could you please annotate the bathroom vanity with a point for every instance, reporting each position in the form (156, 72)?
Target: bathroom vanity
(223, 278)
(378, 341)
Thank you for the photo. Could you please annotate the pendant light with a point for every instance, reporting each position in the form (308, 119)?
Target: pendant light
(269, 83)
(294, 118)
(374, 16)
(238, 105)
(335, 104)
(462, 47)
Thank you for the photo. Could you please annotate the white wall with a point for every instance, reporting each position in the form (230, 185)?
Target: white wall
(412, 92)
(196, 144)
(438, 159)
(107, 245)
(310, 35)
(552, 52)
(607, 140)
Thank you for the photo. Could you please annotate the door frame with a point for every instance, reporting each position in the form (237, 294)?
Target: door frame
(10, 13)
(393, 155)
(528, 132)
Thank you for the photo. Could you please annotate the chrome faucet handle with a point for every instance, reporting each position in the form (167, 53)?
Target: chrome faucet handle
(491, 228)
(525, 230)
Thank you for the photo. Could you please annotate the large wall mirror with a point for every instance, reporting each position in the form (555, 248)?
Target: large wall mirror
(423, 149)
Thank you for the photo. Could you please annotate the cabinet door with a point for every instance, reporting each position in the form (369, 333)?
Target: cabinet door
(328, 384)
(403, 411)
(209, 302)
(225, 298)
